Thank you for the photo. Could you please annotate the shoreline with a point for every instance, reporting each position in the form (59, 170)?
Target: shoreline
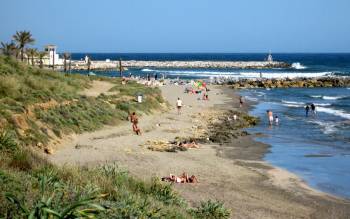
(249, 156)
(249, 186)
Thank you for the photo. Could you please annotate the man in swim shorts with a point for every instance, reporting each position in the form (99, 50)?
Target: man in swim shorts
(178, 105)
(270, 116)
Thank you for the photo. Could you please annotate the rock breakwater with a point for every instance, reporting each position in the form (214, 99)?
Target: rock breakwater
(181, 64)
(287, 83)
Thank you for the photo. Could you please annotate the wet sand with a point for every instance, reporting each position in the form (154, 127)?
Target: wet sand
(232, 172)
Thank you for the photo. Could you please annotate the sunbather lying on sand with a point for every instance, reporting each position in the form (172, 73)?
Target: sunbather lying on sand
(180, 179)
(192, 144)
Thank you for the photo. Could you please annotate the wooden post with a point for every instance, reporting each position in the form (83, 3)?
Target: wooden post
(53, 60)
(120, 68)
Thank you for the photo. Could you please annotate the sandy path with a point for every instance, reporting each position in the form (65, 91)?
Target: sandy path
(97, 88)
(252, 189)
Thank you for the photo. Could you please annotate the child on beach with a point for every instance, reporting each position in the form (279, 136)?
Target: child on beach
(178, 105)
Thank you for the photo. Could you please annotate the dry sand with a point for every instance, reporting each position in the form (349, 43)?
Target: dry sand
(248, 186)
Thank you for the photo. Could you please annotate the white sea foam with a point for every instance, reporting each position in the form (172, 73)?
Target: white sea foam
(297, 65)
(293, 102)
(323, 104)
(316, 96)
(327, 127)
(146, 69)
(332, 97)
(335, 112)
(291, 105)
(251, 98)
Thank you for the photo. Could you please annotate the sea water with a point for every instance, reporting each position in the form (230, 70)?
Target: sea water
(316, 147)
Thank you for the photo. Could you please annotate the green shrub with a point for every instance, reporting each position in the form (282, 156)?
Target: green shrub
(211, 209)
(21, 160)
(7, 142)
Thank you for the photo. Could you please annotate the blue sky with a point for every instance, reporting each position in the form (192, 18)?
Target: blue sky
(181, 25)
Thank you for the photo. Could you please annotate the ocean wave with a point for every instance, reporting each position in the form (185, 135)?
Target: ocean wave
(333, 97)
(147, 69)
(323, 104)
(326, 127)
(291, 105)
(251, 98)
(293, 102)
(297, 65)
(335, 112)
(316, 96)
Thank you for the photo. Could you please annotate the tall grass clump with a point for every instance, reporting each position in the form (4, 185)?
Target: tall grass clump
(7, 143)
(211, 210)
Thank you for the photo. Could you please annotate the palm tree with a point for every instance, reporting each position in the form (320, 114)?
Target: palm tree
(41, 56)
(23, 38)
(8, 49)
(31, 52)
(66, 56)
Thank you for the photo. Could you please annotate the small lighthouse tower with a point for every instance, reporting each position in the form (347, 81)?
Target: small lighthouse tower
(269, 57)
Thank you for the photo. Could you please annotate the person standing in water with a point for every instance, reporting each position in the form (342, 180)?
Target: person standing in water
(307, 109)
(240, 101)
(270, 116)
(313, 109)
(277, 120)
(178, 105)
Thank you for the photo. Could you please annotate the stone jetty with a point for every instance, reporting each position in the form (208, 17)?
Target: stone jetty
(101, 65)
(288, 83)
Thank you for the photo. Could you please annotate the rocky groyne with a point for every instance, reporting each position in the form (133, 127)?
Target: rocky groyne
(287, 83)
(98, 65)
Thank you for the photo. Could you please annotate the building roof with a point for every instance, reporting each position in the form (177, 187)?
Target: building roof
(50, 46)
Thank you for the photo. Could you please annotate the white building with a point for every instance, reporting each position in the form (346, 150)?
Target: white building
(52, 57)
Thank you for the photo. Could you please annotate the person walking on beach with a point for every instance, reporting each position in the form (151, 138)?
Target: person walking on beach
(134, 120)
(270, 116)
(178, 105)
(307, 109)
(313, 109)
(156, 77)
(240, 101)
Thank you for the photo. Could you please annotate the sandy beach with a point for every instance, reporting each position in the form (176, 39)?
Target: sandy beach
(232, 173)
